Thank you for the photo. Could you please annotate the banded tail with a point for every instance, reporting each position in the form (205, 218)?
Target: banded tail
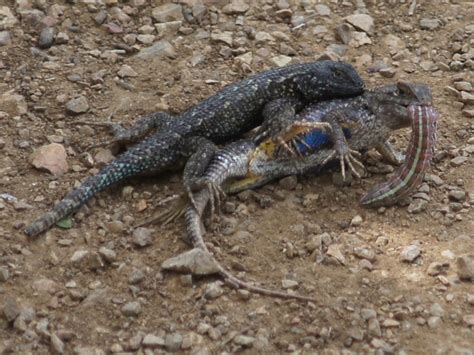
(418, 159)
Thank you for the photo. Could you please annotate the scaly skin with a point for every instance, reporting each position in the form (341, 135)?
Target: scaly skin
(222, 117)
(418, 159)
(375, 115)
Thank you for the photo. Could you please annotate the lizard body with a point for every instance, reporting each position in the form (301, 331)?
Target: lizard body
(222, 117)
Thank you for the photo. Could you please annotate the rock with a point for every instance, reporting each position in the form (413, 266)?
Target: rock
(132, 309)
(44, 285)
(244, 340)
(359, 39)
(429, 24)
(334, 250)
(468, 319)
(159, 49)
(61, 38)
(103, 156)
(167, 12)
(463, 86)
(51, 157)
(362, 22)
(467, 98)
(57, 345)
(437, 310)
(236, 7)
(388, 72)
(436, 268)
(11, 310)
(146, 39)
(222, 37)
(13, 104)
(5, 38)
(410, 253)
(173, 341)
(167, 28)
(465, 267)
(46, 38)
(195, 261)
(288, 183)
(7, 20)
(434, 322)
(323, 10)
(142, 237)
(127, 71)
(79, 257)
(288, 284)
(4, 274)
(356, 221)
(213, 290)
(281, 60)
(77, 105)
(108, 254)
(457, 195)
(153, 341)
(365, 253)
(458, 161)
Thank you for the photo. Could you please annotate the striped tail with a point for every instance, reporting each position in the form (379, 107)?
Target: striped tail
(418, 159)
(156, 153)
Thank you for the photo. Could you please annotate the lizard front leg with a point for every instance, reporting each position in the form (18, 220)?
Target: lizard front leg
(339, 119)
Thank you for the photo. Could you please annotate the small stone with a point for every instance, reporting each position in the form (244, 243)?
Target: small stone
(173, 341)
(146, 39)
(236, 7)
(77, 105)
(388, 72)
(52, 158)
(142, 237)
(468, 319)
(356, 221)
(281, 60)
(10, 309)
(46, 38)
(362, 22)
(222, 37)
(57, 345)
(195, 261)
(436, 268)
(437, 310)
(434, 322)
(390, 323)
(429, 24)
(364, 253)
(463, 86)
(153, 341)
(113, 28)
(108, 254)
(13, 104)
(244, 340)
(159, 49)
(5, 38)
(288, 284)
(127, 71)
(410, 253)
(373, 327)
(44, 285)
(458, 161)
(213, 290)
(4, 274)
(334, 250)
(467, 98)
(79, 256)
(132, 309)
(167, 13)
(289, 182)
(323, 10)
(62, 38)
(465, 267)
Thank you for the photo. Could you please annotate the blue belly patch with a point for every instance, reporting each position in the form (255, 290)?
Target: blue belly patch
(317, 139)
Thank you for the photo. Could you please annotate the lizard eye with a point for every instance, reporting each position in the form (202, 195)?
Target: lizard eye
(337, 73)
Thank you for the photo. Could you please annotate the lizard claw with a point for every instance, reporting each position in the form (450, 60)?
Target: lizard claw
(216, 194)
(346, 156)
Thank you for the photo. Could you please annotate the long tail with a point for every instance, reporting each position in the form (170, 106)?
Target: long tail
(193, 226)
(156, 153)
(418, 158)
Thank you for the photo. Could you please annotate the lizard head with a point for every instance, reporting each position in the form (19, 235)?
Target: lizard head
(329, 79)
(392, 102)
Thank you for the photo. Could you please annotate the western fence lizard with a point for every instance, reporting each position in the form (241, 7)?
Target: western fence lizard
(221, 118)
(373, 116)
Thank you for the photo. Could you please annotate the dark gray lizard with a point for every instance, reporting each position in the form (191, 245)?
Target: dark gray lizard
(370, 119)
(221, 118)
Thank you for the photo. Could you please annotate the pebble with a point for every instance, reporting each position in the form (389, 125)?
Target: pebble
(5, 38)
(159, 49)
(173, 341)
(11, 309)
(365, 253)
(132, 309)
(222, 37)
(236, 7)
(465, 267)
(195, 261)
(468, 319)
(127, 71)
(13, 104)
(289, 183)
(356, 221)
(281, 60)
(437, 310)
(213, 290)
(362, 22)
(77, 105)
(142, 237)
(167, 12)
(289, 284)
(152, 341)
(429, 24)
(434, 322)
(244, 340)
(52, 158)
(57, 345)
(46, 38)
(410, 253)
(4, 274)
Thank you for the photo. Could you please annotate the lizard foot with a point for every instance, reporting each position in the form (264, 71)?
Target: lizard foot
(168, 216)
(347, 156)
(216, 194)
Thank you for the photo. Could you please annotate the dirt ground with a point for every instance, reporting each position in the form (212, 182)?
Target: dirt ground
(305, 233)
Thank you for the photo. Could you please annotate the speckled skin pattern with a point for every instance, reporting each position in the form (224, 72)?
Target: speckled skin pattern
(372, 116)
(224, 116)
(418, 160)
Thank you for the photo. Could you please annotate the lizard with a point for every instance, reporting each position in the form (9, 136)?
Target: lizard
(222, 117)
(373, 116)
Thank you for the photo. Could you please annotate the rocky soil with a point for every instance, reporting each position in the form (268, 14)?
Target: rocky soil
(393, 280)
